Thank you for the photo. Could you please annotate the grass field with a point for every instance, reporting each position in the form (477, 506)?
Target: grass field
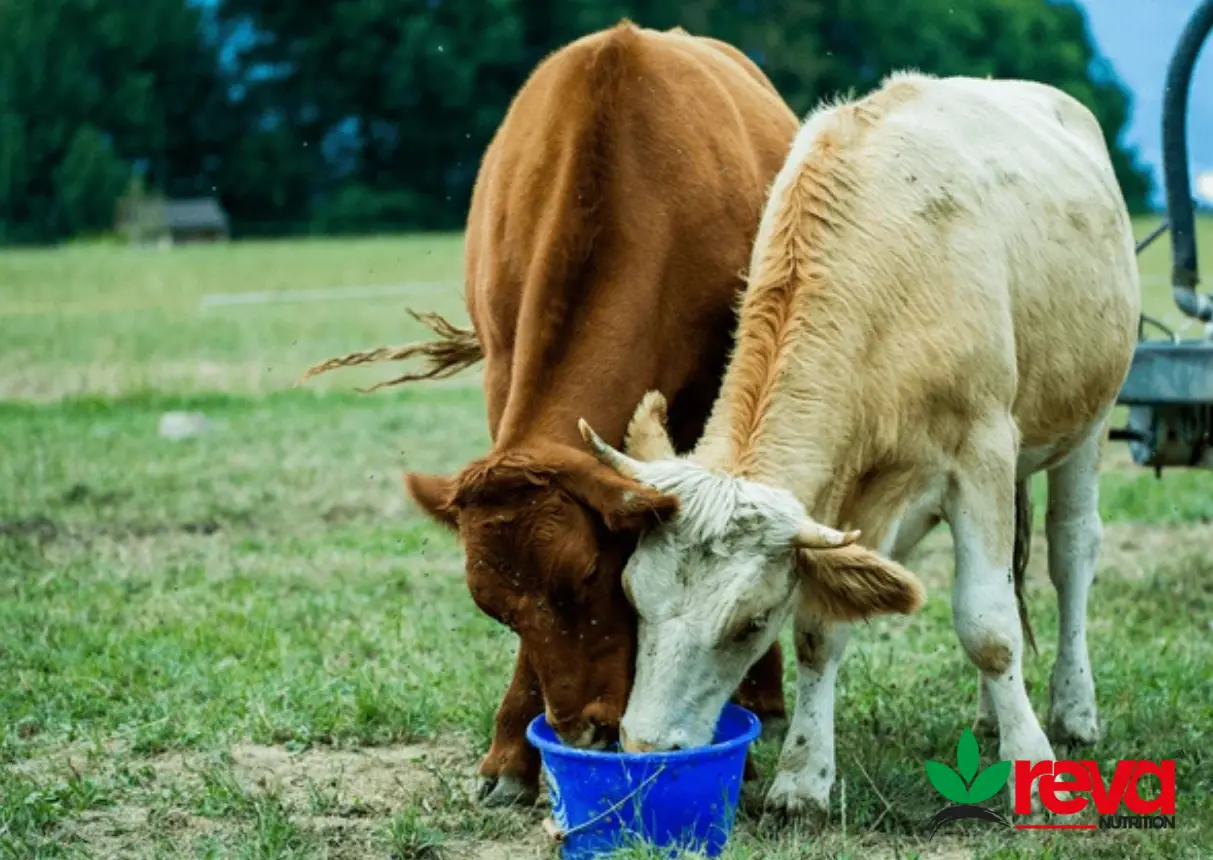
(248, 644)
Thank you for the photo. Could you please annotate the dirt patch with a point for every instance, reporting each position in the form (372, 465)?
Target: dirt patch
(1128, 551)
(879, 847)
(131, 831)
(792, 842)
(370, 779)
(112, 832)
(342, 798)
(38, 527)
(1131, 551)
(322, 782)
(74, 760)
(344, 803)
(345, 838)
(527, 850)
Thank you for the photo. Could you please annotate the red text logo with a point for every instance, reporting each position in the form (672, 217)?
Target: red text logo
(1072, 777)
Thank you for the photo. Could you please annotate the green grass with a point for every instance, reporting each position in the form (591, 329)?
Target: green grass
(111, 319)
(108, 319)
(249, 645)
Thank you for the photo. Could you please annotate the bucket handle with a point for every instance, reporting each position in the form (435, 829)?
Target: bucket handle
(557, 835)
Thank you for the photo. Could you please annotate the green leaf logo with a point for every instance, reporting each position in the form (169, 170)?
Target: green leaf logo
(968, 786)
(947, 782)
(967, 755)
(989, 782)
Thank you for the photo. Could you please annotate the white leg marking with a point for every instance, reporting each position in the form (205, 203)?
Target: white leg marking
(1074, 531)
(806, 769)
(984, 612)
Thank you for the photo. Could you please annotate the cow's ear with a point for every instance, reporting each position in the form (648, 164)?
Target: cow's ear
(435, 495)
(625, 504)
(647, 438)
(852, 582)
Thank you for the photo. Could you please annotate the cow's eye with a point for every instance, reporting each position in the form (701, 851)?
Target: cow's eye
(752, 627)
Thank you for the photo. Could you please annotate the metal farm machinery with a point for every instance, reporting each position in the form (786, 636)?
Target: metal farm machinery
(1169, 388)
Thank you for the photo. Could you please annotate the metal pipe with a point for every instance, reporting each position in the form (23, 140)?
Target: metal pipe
(1157, 323)
(1180, 214)
(1127, 434)
(1192, 303)
(1148, 240)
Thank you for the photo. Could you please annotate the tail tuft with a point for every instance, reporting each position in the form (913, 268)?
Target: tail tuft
(454, 350)
(1021, 553)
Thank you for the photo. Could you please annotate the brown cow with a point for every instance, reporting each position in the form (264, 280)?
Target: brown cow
(609, 226)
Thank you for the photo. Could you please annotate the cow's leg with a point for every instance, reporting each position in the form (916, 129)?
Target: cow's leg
(1074, 531)
(806, 765)
(910, 532)
(986, 724)
(761, 691)
(980, 508)
(510, 772)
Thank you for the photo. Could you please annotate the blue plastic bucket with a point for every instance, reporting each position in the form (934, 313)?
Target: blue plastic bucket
(684, 799)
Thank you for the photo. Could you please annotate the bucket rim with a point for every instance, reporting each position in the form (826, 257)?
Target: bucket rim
(752, 730)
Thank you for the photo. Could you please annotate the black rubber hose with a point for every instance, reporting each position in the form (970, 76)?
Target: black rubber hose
(1180, 214)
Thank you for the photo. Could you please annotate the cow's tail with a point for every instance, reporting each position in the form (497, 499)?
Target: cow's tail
(1020, 554)
(454, 349)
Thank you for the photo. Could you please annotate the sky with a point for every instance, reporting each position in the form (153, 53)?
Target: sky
(1138, 37)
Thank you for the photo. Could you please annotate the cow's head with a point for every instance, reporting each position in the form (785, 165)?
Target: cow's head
(546, 534)
(713, 587)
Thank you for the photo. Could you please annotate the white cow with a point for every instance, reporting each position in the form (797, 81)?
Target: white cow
(942, 300)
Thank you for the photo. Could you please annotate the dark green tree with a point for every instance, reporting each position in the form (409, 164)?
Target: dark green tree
(101, 82)
(397, 97)
(412, 89)
(814, 49)
(370, 114)
(88, 182)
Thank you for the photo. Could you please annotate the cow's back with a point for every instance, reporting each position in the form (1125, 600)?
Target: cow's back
(996, 260)
(610, 224)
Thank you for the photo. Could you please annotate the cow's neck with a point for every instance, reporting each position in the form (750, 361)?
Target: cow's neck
(542, 417)
(592, 375)
(805, 433)
(799, 403)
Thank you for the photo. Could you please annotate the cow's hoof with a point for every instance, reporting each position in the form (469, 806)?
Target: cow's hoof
(1079, 727)
(505, 790)
(986, 726)
(1035, 818)
(1040, 815)
(786, 805)
(1037, 813)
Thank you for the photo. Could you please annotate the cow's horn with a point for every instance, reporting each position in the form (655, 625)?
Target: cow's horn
(608, 456)
(812, 535)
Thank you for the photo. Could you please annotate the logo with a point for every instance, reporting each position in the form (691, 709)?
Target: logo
(1061, 786)
(1124, 789)
(965, 786)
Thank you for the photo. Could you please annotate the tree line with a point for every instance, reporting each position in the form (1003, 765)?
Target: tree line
(363, 115)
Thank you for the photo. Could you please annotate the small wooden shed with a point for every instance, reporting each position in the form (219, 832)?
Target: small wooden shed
(198, 220)
(151, 220)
